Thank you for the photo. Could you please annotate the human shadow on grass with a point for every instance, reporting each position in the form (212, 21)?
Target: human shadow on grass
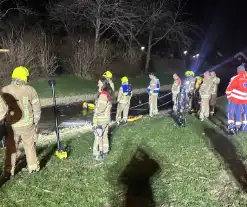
(227, 150)
(13, 115)
(136, 180)
(218, 119)
(111, 132)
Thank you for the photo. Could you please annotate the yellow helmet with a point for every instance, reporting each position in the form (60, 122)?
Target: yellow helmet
(189, 73)
(20, 73)
(107, 74)
(124, 79)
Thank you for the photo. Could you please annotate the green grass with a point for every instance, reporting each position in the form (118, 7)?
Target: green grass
(72, 85)
(65, 86)
(191, 174)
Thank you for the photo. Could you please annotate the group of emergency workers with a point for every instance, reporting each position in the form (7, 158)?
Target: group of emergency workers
(20, 109)
(103, 105)
(199, 94)
(20, 113)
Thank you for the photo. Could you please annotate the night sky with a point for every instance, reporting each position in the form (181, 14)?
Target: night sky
(223, 21)
(227, 19)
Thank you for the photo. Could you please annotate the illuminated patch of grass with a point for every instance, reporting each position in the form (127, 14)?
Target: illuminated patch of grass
(192, 173)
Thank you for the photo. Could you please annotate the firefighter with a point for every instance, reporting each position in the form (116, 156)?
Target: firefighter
(101, 121)
(153, 91)
(108, 76)
(175, 90)
(216, 82)
(205, 93)
(189, 85)
(196, 96)
(124, 97)
(21, 121)
(236, 94)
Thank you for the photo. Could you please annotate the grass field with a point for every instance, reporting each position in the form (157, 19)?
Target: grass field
(193, 166)
(72, 85)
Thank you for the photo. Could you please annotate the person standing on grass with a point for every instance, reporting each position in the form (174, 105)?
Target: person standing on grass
(124, 97)
(175, 90)
(153, 91)
(236, 93)
(216, 82)
(189, 86)
(24, 112)
(101, 121)
(205, 93)
(108, 76)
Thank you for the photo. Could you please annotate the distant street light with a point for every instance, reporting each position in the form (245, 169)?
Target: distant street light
(185, 52)
(4, 50)
(197, 55)
(194, 56)
(142, 48)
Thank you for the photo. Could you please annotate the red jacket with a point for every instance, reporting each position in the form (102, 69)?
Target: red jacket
(237, 88)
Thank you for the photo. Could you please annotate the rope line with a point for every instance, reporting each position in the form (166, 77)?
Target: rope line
(167, 94)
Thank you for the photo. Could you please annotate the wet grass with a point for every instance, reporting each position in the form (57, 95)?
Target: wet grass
(72, 85)
(188, 169)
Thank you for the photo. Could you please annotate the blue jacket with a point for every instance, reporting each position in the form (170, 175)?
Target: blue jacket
(127, 89)
(157, 86)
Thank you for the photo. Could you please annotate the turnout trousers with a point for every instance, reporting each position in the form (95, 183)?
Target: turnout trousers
(101, 142)
(213, 103)
(122, 108)
(153, 104)
(28, 136)
(204, 111)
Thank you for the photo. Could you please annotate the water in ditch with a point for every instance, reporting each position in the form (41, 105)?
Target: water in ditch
(74, 115)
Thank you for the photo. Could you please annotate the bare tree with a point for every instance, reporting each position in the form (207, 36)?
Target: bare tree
(32, 50)
(101, 15)
(84, 61)
(164, 21)
(18, 7)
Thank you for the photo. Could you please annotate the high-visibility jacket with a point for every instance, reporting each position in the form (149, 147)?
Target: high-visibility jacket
(206, 88)
(24, 105)
(102, 111)
(125, 93)
(176, 86)
(236, 91)
(154, 86)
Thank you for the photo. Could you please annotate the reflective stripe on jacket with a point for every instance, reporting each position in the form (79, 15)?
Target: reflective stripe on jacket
(237, 89)
(102, 111)
(125, 93)
(24, 105)
(154, 86)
